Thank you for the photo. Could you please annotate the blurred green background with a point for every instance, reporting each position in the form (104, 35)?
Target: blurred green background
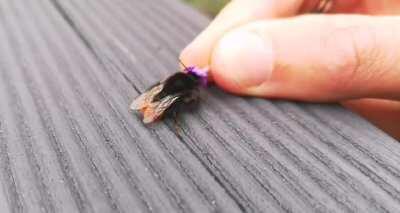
(210, 7)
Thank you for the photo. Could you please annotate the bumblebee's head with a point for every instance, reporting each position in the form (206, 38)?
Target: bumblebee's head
(198, 73)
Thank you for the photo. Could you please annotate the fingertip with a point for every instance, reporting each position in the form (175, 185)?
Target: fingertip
(241, 61)
(235, 14)
(193, 55)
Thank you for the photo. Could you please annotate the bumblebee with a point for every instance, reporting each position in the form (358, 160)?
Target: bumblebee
(169, 95)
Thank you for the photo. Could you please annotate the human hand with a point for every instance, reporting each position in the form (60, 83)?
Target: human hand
(266, 48)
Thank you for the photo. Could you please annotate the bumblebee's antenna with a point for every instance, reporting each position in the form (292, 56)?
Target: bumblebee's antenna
(180, 61)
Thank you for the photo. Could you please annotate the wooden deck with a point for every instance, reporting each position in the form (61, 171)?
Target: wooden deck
(68, 70)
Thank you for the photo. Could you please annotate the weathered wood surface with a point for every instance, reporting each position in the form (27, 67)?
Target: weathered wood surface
(68, 70)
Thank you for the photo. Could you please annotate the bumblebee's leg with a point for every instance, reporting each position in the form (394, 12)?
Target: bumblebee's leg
(174, 114)
(176, 117)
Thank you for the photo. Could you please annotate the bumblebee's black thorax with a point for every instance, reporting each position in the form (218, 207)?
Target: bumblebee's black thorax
(179, 83)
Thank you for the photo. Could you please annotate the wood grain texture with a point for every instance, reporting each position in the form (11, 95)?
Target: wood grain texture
(68, 70)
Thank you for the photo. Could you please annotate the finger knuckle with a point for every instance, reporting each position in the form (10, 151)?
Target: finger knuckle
(357, 57)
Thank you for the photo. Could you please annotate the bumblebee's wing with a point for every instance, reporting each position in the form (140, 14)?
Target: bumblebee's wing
(145, 99)
(156, 109)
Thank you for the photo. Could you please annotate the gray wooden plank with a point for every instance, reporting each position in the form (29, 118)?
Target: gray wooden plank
(68, 70)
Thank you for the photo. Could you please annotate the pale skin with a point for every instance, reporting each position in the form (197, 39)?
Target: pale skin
(273, 49)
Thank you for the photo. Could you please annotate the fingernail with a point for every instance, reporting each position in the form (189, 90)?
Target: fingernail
(242, 60)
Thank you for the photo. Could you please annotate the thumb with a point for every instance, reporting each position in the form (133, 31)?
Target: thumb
(312, 58)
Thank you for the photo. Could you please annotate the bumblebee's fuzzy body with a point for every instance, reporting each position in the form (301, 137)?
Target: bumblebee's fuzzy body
(168, 96)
